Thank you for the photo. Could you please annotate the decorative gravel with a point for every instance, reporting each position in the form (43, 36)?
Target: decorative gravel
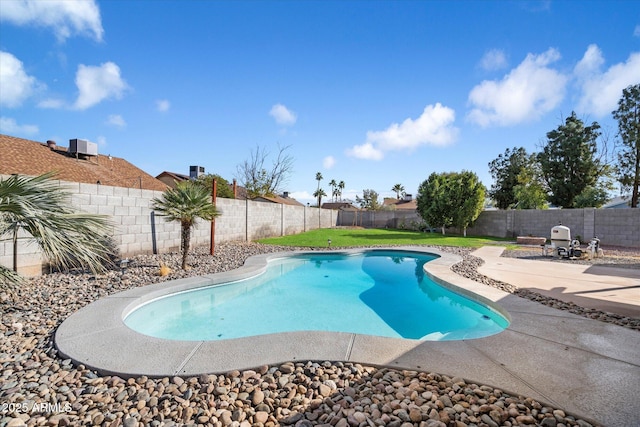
(38, 388)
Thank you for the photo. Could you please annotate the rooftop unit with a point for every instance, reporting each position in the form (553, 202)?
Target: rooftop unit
(195, 171)
(82, 146)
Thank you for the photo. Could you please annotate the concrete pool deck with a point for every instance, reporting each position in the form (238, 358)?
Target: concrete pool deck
(583, 366)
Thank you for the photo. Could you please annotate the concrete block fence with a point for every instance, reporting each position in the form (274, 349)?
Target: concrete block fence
(619, 227)
(137, 229)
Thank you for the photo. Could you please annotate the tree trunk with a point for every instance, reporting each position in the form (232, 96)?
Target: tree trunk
(186, 237)
(443, 230)
(15, 250)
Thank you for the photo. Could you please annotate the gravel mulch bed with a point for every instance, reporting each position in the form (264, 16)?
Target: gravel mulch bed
(38, 388)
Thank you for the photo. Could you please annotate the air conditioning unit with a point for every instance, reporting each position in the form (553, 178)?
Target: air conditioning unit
(195, 171)
(82, 146)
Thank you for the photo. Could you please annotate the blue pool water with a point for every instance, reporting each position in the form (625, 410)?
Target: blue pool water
(383, 293)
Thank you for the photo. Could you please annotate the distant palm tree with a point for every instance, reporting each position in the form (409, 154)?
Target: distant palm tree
(319, 178)
(341, 186)
(398, 189)
(40, 208)
(319, 194)
(333, 184)
(185, 204)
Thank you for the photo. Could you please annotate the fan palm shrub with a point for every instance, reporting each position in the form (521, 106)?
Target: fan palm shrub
(39, 209)
(185, 204)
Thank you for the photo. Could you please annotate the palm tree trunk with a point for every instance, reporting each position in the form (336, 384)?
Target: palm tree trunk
(15, 249)
(186, 237)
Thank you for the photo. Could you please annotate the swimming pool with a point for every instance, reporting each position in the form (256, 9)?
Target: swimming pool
(378, 292)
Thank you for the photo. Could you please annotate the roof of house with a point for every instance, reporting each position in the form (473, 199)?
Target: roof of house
(344, 205)
(400, 203)
(32, 158)
(279, 199)
(618, 202)
(175, 176)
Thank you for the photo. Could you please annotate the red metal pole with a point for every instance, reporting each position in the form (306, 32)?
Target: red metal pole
(214, 191)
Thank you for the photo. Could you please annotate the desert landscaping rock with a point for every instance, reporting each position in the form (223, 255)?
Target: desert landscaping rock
(37, 388)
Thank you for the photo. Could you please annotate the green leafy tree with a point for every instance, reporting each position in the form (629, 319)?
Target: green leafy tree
(40, 208)
(569, 161)
(529, 191)
(369, 200)
(398, 189)
(466, 194)
(185, 204)
(628, 117)
(433, 203)
(504, 171)
(223, 189)
(592, 197)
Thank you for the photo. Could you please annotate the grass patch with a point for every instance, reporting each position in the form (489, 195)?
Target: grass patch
(345, 237)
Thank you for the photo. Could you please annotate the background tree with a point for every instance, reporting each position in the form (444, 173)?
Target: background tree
(261, 180)
(593, 196)
(466, 196)
(319, 178)
(433, 203)
(334, 189)
(341, 186)
(569, 161)
(504, 171)
(40, 207)
(369, 200)
(529, 191)
(319, 194)
(628, 117)
(223, 189)
(185, 204)
(398, 189)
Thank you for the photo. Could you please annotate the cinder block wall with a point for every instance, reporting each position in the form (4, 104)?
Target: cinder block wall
(137, 229)
(619, 227)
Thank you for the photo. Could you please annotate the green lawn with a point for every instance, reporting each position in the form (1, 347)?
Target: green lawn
(343, 237)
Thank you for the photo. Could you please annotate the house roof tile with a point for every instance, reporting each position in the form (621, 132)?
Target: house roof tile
(26, 157)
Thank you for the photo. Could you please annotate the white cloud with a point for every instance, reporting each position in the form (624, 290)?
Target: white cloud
(10, 126)
(283, 115)
(636, 31)
(328, 162)
(600, 91)
(495, 59)
(365, 151)
(529, 91)
(51, 103)
(163, 105)
(15, 84)
(433, 127)
(98, 83)
(116, 120)
(64, 17)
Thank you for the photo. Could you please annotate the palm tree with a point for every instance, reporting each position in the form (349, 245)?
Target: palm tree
(341, 186)
(398, 189)
(185, 204)
(319, 178)
(333, 184)
(319, 194)
(40, 208)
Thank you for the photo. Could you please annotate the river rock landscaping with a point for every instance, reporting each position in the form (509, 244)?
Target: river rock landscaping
(38, 388)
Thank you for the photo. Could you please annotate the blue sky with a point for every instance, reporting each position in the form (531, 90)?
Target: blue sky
(373, 93)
